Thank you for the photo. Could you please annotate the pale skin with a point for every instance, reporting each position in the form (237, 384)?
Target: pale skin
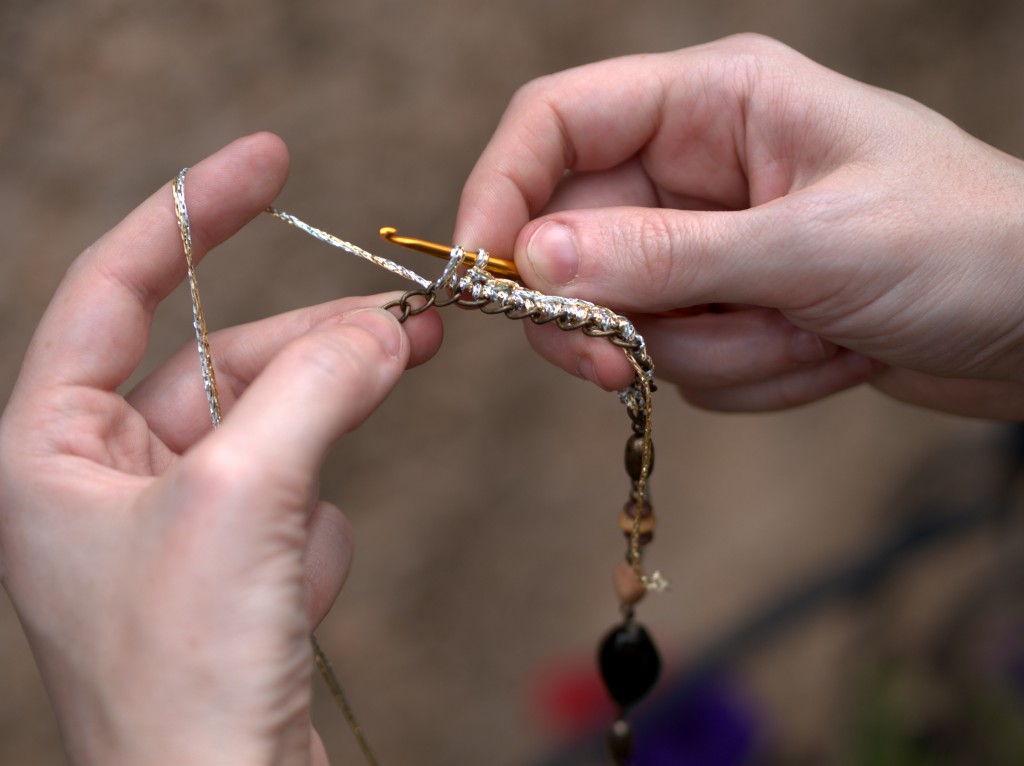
(168, 577)
(844, 234)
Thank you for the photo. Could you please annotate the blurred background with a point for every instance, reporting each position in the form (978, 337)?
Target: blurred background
(845, 576)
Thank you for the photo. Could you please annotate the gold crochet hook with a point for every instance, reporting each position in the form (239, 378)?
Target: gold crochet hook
(497, 266)
(500, 267)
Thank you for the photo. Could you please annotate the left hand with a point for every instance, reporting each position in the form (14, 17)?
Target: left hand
(168, 576)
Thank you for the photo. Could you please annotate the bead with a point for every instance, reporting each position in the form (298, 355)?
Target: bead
(647, 521)
(620, 742)
(627, 585)
(626, 524)
(629, 663)
(630, 509)
(635, 457)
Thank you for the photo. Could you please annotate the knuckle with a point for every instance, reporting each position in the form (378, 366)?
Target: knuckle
(642, 243)
(535, 90)
(656, 253)
(749, 57)
(754, 43)
(209, 475)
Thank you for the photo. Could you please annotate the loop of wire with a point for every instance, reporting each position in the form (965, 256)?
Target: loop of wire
(210, 386)
(477, 289)
(198, 318)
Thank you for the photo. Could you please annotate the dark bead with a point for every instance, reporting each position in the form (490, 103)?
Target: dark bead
(629, 663)
(620, 742)
(630, 509)
(635, 457)
(644, 540)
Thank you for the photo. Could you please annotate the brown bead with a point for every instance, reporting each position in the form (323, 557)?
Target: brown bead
(635, 457)
(627, 585)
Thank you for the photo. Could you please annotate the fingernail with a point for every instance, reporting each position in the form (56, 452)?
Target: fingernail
(553, 255)
(382, 324)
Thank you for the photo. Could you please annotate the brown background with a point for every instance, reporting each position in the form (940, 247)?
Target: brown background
(467, 579)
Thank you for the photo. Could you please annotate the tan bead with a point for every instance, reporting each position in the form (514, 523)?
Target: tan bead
(626, 524)
(627, 585)
(628, 515)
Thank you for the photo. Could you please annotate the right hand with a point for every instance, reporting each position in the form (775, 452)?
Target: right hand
(846, 234)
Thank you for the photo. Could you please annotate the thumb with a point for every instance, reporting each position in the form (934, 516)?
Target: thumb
(319, 387)
(651, 260)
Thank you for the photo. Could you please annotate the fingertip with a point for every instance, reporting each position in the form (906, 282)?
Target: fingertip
(423, 332)
(552, 255)
(233, 185)
(426, 333)
(591, 359)
(626, 258)
(270, 142)
(326, 559)
(490, 215)
(382, 325)
(270, 153)
(262, 147)
(139, 261)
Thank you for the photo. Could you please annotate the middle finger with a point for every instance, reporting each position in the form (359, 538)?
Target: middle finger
(173, 402)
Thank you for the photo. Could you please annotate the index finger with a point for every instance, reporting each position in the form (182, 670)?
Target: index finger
(678, 112)
(97, 325)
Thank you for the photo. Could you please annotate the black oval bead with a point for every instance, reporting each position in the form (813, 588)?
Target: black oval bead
(635, 457)
(629, 663)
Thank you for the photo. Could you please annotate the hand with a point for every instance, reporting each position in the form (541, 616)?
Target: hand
(829, 233)
(168, 576)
